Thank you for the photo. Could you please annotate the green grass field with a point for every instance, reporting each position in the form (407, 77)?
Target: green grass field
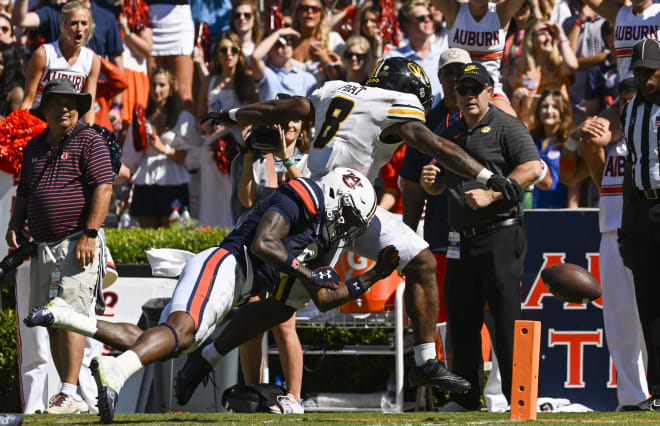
(372, 418)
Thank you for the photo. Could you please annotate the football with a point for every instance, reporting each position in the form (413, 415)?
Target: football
(571, 283)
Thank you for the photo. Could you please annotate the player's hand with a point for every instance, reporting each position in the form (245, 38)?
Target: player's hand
(220, 116)
(388, 260)
(325, 277)
(509, 188)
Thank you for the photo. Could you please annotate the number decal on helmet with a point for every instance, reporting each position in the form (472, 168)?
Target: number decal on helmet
(337, 112)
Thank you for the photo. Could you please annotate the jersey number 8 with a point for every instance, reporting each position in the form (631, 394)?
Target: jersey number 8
(338, 110)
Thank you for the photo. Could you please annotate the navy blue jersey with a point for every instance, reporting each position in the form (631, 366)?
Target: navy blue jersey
(300, 203)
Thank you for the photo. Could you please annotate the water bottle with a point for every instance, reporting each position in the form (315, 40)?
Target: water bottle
(175, 216)
(528, 197)
(125, 220)
(185, 216)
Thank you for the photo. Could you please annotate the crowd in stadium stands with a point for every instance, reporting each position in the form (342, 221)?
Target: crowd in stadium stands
(553, 64)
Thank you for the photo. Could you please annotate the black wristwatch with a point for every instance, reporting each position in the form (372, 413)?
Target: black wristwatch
(91, 233)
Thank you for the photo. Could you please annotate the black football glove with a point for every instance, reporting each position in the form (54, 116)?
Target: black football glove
(509, 188)
(220, 116)
(388, 260)
(325, 277)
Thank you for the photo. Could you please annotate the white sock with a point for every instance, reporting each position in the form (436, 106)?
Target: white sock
(68, 389)
(76, 322)
(78, 396)
(128, 364)
(211, 355)
(424, 352)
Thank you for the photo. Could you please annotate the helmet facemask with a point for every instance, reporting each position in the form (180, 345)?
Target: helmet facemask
(343, 223)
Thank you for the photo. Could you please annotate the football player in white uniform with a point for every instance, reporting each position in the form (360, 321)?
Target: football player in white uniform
(360, 127)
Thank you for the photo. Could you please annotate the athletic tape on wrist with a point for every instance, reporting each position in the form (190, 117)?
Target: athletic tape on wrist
(355, 287)
(484, 175)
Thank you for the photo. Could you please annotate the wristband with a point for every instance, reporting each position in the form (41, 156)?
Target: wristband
(168, 150)
(484, 175)
(571, 144)
(544, 173)
(232, 113)
(116, 106)
(288, 163)
(291, 265)
(563, 41)
(355, 287)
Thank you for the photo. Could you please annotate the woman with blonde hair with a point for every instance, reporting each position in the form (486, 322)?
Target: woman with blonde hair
(318, 48)
(357, 59)
(66, 57)
(226, 85)
(547, 62)
(245, 22)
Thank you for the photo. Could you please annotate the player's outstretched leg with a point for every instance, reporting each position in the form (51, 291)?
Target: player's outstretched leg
(59, 314)
(195, 371)
(421, 298)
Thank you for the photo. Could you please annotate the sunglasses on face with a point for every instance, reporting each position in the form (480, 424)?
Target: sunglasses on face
(423, 18)
(359, 56)
(306, 8)
(225, 50)
(472, 90)
(246, 15)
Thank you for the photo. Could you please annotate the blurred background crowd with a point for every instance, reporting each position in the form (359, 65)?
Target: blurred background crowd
(165, 63)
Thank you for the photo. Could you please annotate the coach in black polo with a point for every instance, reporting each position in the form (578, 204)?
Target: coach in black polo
(487, 244)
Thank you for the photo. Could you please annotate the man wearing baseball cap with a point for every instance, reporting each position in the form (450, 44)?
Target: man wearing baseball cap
(487, 243)
(640, 239)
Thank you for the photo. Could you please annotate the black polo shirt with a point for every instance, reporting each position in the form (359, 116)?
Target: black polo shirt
(500, 143)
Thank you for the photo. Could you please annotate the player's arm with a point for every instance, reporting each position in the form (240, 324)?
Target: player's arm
(265, 113)
(325, 299)
(268, 246)
(452, 157)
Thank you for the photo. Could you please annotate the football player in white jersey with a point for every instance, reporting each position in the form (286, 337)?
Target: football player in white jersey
(360, 127)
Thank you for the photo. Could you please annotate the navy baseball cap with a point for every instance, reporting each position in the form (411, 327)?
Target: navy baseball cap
(476, 72)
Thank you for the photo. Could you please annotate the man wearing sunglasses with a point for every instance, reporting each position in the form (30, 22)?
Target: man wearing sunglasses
(279, 75)
(487, 242)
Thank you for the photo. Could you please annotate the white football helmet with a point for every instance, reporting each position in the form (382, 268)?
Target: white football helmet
(350, 203)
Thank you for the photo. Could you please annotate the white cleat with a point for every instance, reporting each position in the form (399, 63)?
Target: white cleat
(108, 382)
(65, 404)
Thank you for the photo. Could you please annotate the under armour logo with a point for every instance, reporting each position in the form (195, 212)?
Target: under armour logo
(355, 285)
(34, 160)
(325, 275)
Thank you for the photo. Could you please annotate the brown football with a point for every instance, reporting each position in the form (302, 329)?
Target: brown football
(571, 283)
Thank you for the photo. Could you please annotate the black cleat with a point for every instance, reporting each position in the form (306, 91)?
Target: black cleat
(195, 370)
(107, 398)
(651, 404)
(434, 373)
(11, 419)
(39, 317)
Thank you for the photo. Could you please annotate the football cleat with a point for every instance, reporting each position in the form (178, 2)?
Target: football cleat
(65, 404)
(434, 373)
(11, 419)
(651, 404)
(195, 371)
(39, 317)
(102, 367)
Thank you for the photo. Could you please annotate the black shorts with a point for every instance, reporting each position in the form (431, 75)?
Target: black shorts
(156, 200)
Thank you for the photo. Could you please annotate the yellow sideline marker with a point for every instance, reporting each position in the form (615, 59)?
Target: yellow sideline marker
(525, 378)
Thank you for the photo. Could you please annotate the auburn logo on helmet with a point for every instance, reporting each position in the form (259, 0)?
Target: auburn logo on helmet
(419, 73)
(351, 180)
